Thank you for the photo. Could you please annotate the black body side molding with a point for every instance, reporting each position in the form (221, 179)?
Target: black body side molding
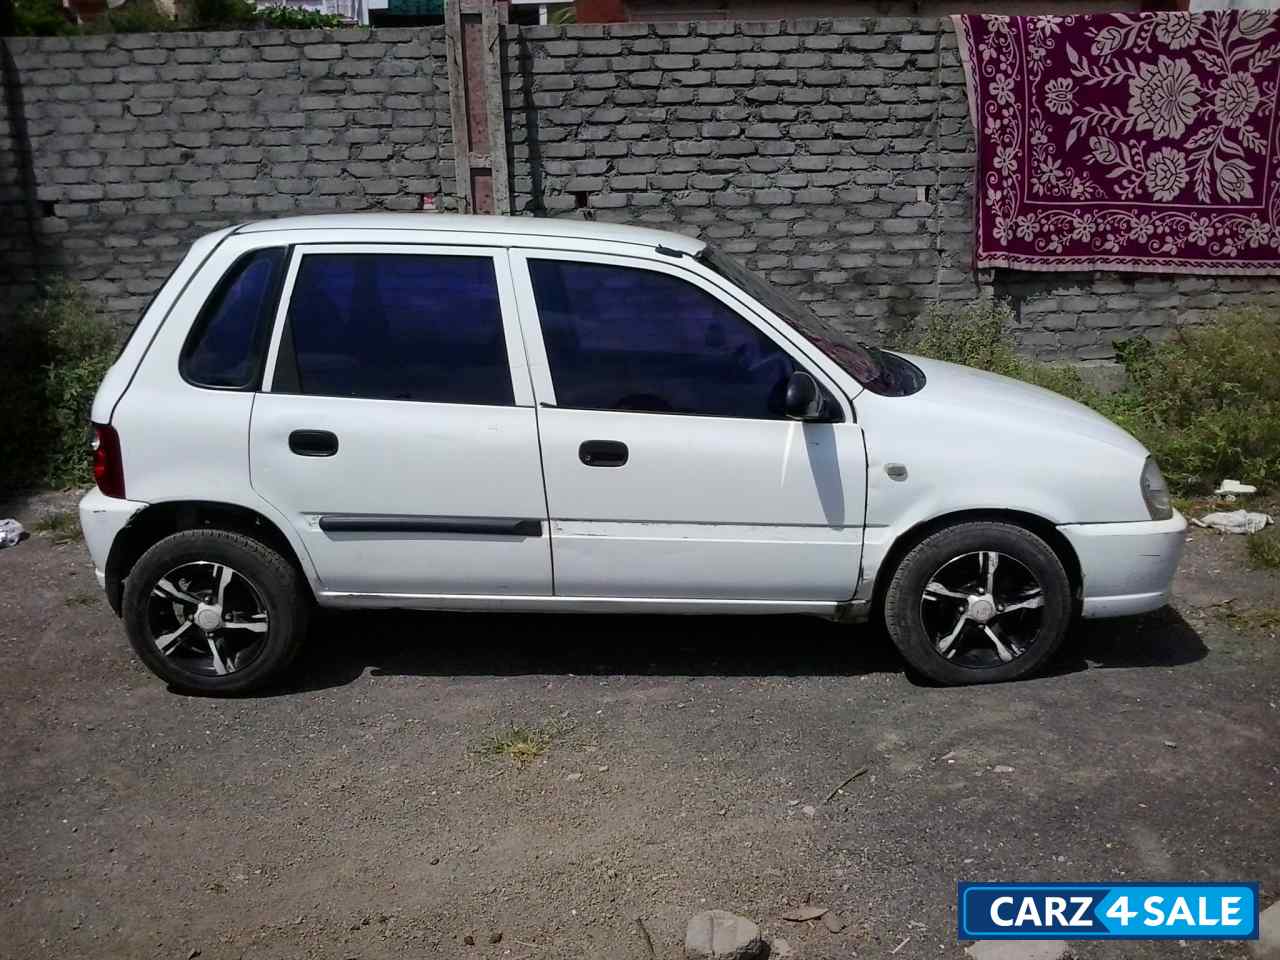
(475, 526)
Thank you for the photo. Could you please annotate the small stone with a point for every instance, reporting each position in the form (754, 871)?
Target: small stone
(469, 940)
(1171, 745)
(809, 810)
(720, 935)
(574, 777)
(495, 937)
(434, 861)
(1001, 768)
(1267, 946)
(603, 768)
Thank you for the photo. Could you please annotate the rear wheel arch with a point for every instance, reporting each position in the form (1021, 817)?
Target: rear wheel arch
(159, 520)
(1044, 529)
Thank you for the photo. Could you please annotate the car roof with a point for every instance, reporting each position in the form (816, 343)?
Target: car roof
(435, 224)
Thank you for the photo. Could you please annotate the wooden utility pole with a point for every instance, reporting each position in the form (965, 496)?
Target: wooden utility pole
(473, 38)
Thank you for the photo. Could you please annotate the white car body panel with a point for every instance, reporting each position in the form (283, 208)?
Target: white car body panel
(709, 515)
(706, 507)
(405, 459)
(409, 459)
(1128, 567)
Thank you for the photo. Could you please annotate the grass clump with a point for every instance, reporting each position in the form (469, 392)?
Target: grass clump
(520, 744)
(1249, 619)
(63, 351)
(61, 526)
(1263, 549)
(1206, 402)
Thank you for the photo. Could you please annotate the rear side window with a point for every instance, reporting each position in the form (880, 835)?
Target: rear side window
(622, 338)
(228, 341)
(396, 327)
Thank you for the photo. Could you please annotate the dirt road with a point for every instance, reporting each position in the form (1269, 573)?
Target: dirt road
(353, 814)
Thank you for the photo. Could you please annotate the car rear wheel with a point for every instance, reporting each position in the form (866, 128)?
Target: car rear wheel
(211, 611)
(978, 602)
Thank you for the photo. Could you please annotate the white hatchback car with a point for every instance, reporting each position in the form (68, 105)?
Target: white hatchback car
(485, 413)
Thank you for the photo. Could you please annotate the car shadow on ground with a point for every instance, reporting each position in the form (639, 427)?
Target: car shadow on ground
(343, 646)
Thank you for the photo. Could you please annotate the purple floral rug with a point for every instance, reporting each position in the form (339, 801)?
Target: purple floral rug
(1121, 141)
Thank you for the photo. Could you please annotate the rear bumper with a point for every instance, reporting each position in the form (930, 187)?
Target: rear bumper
(101, 519)
(1128, 567)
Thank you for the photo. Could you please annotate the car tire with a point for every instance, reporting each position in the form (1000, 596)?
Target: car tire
(215, 612)
(935, 612)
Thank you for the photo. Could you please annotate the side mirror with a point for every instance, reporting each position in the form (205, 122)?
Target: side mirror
(803, 398)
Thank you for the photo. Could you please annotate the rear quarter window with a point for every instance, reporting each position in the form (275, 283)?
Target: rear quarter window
(228, 342)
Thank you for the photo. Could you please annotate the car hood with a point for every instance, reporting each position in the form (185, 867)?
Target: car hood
(995, 400)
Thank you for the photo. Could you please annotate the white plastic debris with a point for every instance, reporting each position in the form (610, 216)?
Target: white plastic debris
(10, 533)
(1235, 486)
(1237, 521)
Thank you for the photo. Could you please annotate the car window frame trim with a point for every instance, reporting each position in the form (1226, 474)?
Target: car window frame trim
(516, 354)
(539, 363)
(259, 346)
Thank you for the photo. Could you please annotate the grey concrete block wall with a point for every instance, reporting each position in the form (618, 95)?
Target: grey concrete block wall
(142, 142)
(18, 229)
(835, 157)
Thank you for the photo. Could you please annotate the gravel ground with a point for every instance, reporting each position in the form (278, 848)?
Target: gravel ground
(354, 815)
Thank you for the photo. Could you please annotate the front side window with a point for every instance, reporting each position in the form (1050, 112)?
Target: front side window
(229, 339)
(396, 327)
(622, 338)
(878, 370)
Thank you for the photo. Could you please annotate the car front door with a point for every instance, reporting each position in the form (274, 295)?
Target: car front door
(396, 429)
(671, 470)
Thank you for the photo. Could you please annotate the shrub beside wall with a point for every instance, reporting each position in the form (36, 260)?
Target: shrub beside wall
(59, 351)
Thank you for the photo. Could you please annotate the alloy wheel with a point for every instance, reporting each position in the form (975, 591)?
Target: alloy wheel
(208, 618)
(982, 609)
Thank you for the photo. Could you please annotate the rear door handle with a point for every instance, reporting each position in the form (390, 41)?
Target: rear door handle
(603, 453)
(313, 443)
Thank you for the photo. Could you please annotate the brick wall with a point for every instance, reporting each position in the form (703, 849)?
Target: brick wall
(833, 156)
(18, 234)
(142, 142)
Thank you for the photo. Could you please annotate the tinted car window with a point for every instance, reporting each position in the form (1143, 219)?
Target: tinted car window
(621, 338)
(398, 327)
(229, 338)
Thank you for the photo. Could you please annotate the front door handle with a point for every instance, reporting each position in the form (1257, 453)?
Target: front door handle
(313, 443)
(603, 453)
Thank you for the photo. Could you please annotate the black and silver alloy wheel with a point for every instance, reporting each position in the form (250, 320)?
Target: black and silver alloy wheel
(978, 602)
(982, 609)
(215, 611)
(208, 618)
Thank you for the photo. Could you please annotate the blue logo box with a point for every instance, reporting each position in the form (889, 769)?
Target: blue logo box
(1108, 911)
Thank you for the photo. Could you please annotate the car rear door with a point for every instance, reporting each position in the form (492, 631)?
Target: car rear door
(671, 471)
(396, 427)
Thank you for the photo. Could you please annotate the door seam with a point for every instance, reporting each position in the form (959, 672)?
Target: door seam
(537, 416)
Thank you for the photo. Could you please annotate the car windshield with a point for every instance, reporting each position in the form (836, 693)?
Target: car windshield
(878, 371)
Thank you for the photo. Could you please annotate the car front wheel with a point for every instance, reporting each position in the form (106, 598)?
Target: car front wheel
(212, 611)
(978, 602)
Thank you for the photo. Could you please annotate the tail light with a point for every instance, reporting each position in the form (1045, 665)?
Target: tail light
(108, 465)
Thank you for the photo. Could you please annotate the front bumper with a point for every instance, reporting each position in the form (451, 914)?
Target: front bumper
(101, 519)
(1128, 568)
